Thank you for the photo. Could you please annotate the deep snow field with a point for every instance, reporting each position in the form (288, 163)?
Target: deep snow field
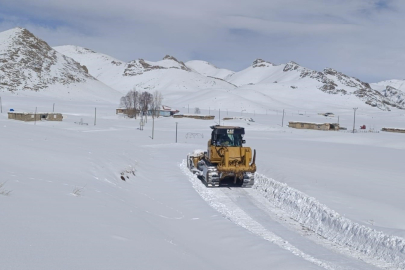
(322, 200)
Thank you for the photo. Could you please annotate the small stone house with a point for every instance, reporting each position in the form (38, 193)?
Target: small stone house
(22, 116)
(315, 126)
(397, 130)
(195, 116)
(121, 110)
(164, 111)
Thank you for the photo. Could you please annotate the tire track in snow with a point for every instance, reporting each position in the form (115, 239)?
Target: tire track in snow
(220, 202)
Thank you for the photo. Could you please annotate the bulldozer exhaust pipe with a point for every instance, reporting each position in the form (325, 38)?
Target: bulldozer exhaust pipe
(254, 157)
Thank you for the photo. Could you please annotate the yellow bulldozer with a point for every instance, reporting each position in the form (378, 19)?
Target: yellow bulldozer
(226, 162)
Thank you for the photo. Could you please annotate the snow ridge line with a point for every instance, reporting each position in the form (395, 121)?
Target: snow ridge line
(331, 225)
(221, 203)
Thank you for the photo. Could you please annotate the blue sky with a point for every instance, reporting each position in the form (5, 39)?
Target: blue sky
(362, 38)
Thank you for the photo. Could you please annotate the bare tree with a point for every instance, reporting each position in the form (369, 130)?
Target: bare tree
(134, 97)
(130, 102)
(125, 102)
(197, 110)
(156, 102)
(145, 101)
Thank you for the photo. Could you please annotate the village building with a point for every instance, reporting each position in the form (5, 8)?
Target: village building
(121, 110)
(163, 111)
(195, 116)
(315, 126)
(397, 130)
(23, 116)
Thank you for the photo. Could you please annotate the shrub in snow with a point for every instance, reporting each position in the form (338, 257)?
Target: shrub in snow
(4, 191)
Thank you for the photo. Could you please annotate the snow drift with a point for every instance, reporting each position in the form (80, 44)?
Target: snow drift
(330, 225)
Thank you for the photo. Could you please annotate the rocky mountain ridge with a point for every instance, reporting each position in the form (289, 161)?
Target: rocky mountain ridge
(138, 67)
(335, 82)
(29, 63)
(261, 63)
(168, 73)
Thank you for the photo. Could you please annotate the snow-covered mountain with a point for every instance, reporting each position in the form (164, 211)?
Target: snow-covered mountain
(393, 90)
(168, 73)
(397, 84)
(208, 69)
(328, 81)
(258, 72)
(28, 63)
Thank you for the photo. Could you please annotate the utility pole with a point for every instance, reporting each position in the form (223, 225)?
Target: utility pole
(141, 124)
(153, 126)
(176, 132)
(354, 118)
(35, 116)
(53, 108)
(95, 115)
(282, 121)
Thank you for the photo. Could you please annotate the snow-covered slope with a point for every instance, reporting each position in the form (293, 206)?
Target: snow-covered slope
(397, 84)
(259, 71)
(167, 74)
(393, 90)
(328, 81)
(28, 63)
(322, 200)
(208, 69)
(100, 65)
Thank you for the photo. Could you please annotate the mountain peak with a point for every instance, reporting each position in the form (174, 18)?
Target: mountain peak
(261, 63)
(29, 63)
(291, 66)
(207, 69)
(169, 57)
(14, 31)
(182, 65)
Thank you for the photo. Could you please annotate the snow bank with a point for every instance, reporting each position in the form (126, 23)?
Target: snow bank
(330, 225)
(221, 203)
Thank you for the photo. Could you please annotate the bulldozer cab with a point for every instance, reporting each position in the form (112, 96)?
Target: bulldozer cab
(228, 136)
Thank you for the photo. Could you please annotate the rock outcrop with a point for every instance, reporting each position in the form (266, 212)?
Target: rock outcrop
(29, 63)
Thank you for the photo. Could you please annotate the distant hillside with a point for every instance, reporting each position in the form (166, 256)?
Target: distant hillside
(28, 63)
(208, 69)
(328, 81)
(167, 74)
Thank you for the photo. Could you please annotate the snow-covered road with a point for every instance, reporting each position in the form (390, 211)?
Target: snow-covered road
(247, 208)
